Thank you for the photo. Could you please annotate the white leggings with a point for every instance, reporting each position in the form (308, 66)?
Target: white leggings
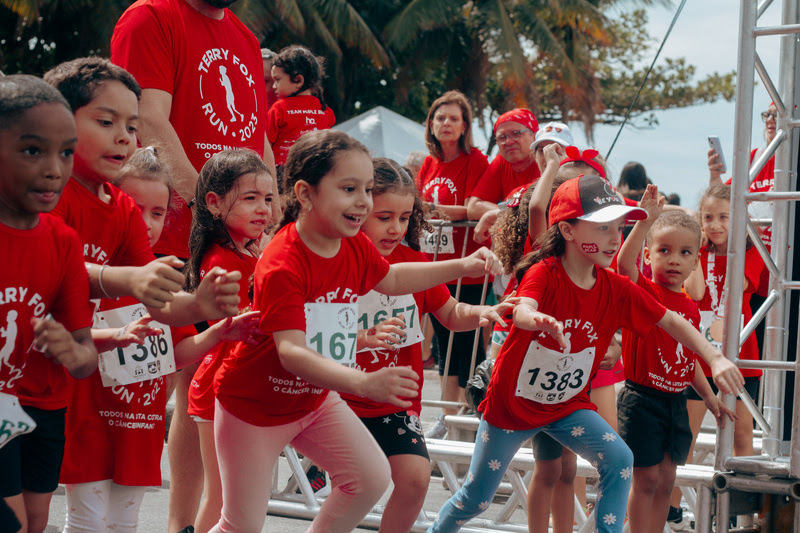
(102, 506)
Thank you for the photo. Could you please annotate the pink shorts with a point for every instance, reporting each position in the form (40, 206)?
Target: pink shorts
(604, 378)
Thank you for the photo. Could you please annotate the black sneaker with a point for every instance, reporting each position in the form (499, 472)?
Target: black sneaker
(676, 521)
(316, 478)
(187, 529)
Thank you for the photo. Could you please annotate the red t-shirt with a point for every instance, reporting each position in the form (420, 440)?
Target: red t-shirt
(658, 361)
(753, 266)
(289, 118)
(251, 383)
(214, 72)
(500, 180)
(112, 234)
(451, 184)
(201, 390)
(590, 318)
(117, 432)
(427, 301)
(43, 273)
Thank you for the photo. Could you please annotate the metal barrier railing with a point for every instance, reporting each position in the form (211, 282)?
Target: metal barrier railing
(439, 226)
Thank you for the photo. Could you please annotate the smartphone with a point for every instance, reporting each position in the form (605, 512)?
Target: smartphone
(713, 142)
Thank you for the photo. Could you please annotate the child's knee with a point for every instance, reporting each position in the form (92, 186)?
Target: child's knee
(547, 473)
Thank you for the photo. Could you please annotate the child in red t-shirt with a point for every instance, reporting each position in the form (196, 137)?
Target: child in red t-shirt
(116, 430)
(234, 207)
(44, 299)
(281, 391)
(117, 255)
(652, 414)
(570, 308)
(297, 78)
(391, 336)
(706, 285)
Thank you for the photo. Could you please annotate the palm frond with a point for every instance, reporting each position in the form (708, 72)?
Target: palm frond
(348, 26)
(419, 16)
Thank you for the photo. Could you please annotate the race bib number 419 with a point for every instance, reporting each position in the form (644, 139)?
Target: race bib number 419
(432, 239)
(331, 331)
(137, 362)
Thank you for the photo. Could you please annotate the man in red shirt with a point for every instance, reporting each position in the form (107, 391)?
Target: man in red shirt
(195, 62)
(515, 165)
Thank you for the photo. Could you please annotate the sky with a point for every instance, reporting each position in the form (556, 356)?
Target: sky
(674, 153)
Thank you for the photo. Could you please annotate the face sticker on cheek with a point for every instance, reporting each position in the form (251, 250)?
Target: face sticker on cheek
(590, 247)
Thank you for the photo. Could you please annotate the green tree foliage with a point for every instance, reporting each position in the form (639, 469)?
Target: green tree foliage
(564, 59)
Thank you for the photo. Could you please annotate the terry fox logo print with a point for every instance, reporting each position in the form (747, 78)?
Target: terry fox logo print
(227, 93)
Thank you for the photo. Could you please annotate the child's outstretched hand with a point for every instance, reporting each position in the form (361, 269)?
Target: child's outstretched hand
(727, 376)
(386, 335)
(495, 313)
(390, 384)
(537, 321)
(720, 411)
(154, 283)
(652, 202)
(134, 333)
(483, 261)
(218, 294)
(242, 328)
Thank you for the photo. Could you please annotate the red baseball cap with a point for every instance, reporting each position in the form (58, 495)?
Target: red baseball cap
(590, 198)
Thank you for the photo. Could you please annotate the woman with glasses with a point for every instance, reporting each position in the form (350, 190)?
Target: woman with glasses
(445, 180)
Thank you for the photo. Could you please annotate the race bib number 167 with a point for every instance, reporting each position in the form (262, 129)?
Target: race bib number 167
(331, 330)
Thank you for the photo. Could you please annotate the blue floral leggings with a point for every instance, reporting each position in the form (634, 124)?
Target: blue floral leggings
(584, 432)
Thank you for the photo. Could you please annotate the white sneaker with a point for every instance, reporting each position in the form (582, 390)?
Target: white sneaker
(438, 430)
(681, 522)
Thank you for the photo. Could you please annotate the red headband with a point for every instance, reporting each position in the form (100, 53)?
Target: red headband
(520, 116)
(587, 157)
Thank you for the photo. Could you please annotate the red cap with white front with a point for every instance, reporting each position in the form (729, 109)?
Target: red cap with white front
(590, 198)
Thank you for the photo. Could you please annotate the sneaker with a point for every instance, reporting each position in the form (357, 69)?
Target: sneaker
(187, 529)
(317, 480)
(428, 364)
(677, 521)
(438, 430)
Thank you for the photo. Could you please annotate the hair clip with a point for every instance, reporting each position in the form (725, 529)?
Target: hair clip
(587, 157)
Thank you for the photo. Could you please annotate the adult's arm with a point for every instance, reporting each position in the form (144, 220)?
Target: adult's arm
(155, 128)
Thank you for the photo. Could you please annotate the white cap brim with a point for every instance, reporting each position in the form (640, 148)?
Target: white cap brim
(613, 212)
(558, 140)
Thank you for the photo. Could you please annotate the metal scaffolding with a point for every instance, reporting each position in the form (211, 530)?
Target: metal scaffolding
(777, 470)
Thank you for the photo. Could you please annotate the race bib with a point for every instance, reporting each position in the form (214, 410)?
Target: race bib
(432, 239)
(331, 330)
(550, 376)
(137, 362)
(374, 308)
(14, 421)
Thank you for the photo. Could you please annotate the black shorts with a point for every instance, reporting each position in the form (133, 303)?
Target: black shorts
(8, 520)
(751, 385)
(653, 423)
(461, 354)
(398, 434)
(545, 447)
(41, 451)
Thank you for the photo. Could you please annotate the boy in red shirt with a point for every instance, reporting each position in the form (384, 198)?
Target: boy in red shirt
(44, 292)
(116, 248)
(652, 414)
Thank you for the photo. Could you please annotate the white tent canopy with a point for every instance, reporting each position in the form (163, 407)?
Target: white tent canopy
(386, 133)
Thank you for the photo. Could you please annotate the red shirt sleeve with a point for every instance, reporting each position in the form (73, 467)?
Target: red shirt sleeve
(144, 46)
(639, 311)
(489, 187)
(72, 307)
(275, 121)
(477, 166)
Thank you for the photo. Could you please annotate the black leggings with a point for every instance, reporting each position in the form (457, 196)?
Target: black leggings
(461, 355)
